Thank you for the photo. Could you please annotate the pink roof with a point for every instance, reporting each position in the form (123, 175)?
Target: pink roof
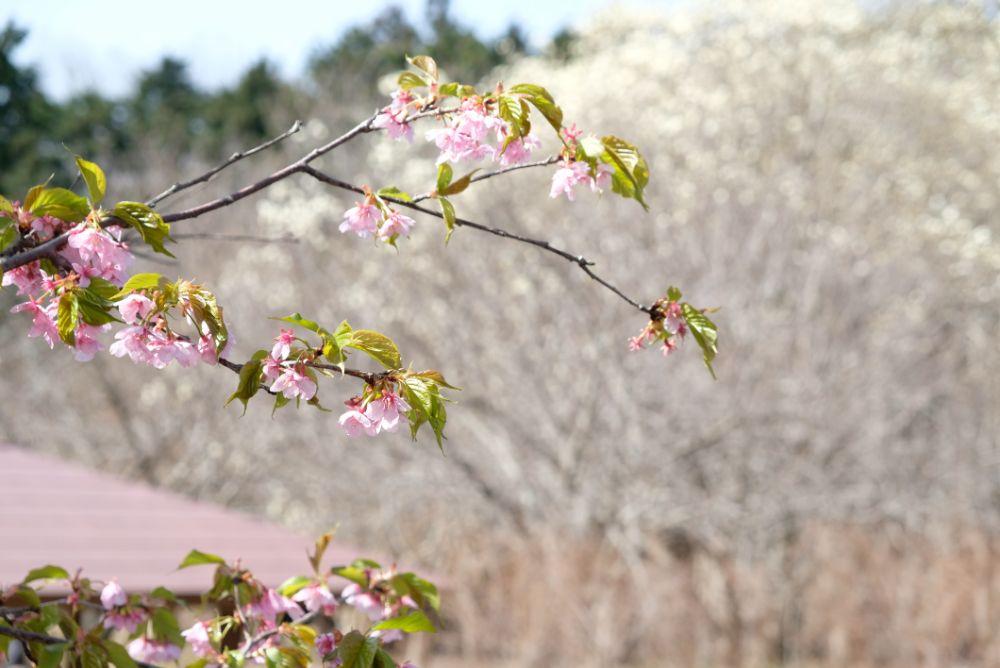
(55, 512)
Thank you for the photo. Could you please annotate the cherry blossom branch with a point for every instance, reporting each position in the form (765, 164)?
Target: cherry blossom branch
(55, 243)
(31, 636)
(234, 158)
(369, 377)
(283, 173)
(578, 260)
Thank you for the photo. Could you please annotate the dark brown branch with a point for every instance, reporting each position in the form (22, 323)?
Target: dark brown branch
(31, 636)
(283, 173)
(234, 158)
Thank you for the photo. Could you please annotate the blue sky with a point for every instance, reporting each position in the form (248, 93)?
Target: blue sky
(103, 44)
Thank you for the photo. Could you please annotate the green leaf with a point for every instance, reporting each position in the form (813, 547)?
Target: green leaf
(704, 332)
(410, 80)
(356, 575)
(357, 651)
(118, 655)
(543, 101)
(415, 622)
(164, 594)
(148, 223)
(8, 234)
(67, 316)
(426, 64)
(393, 192)
(249, 380)
(455, 89)
(5, 206)
(448, 211)
(33, 193)
(379, 346)
(631, 171)
(293, 584)
(420, 590)
(459, 185)
(60, 203)
(139, 282)
(514, 110)
(206, 313)
(383, 660)
(94, 177)
(366, 563)
(29, 595)
(297, 319)
(165, 626)
(199, 558)
(435, 376)
(673, 294)
(426, 405)
(49, 572)
(444, 177)
(49, 656)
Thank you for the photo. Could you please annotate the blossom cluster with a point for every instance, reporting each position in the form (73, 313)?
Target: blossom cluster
(371, 218)
(286, 374)
(667, 328)
(90, 252)
(264, 621)
(382, 414)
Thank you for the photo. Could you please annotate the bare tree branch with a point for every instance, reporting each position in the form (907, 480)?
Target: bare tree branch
(234, 158)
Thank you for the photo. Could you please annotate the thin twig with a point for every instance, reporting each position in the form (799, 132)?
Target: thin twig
(234, 158)
(578, 260)
(283, 173)
(489, 175)
(214, 236)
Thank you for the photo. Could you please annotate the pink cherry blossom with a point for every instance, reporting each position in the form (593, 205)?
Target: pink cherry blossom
(396, 224)
(44, 227)
(571, 133)
(199, 640)
(272, 368)
(673, 319)
(384, 412)
(669, 345)
(567, 177)
(387, 636)
(113, 596)
(317, 596)
(392, 118)
(124, 619)
(519, 150)
(43, 319)
(293, 382)
(364, 601)
(88, 245)
(28, 278)
(325, 643)
(86, 343)
(603, 178)
(150, 651)
(464, 138)
(362, 219)
(283, 344)
(272, 604)
(135, 307)
(207, 351)
(355, 423)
